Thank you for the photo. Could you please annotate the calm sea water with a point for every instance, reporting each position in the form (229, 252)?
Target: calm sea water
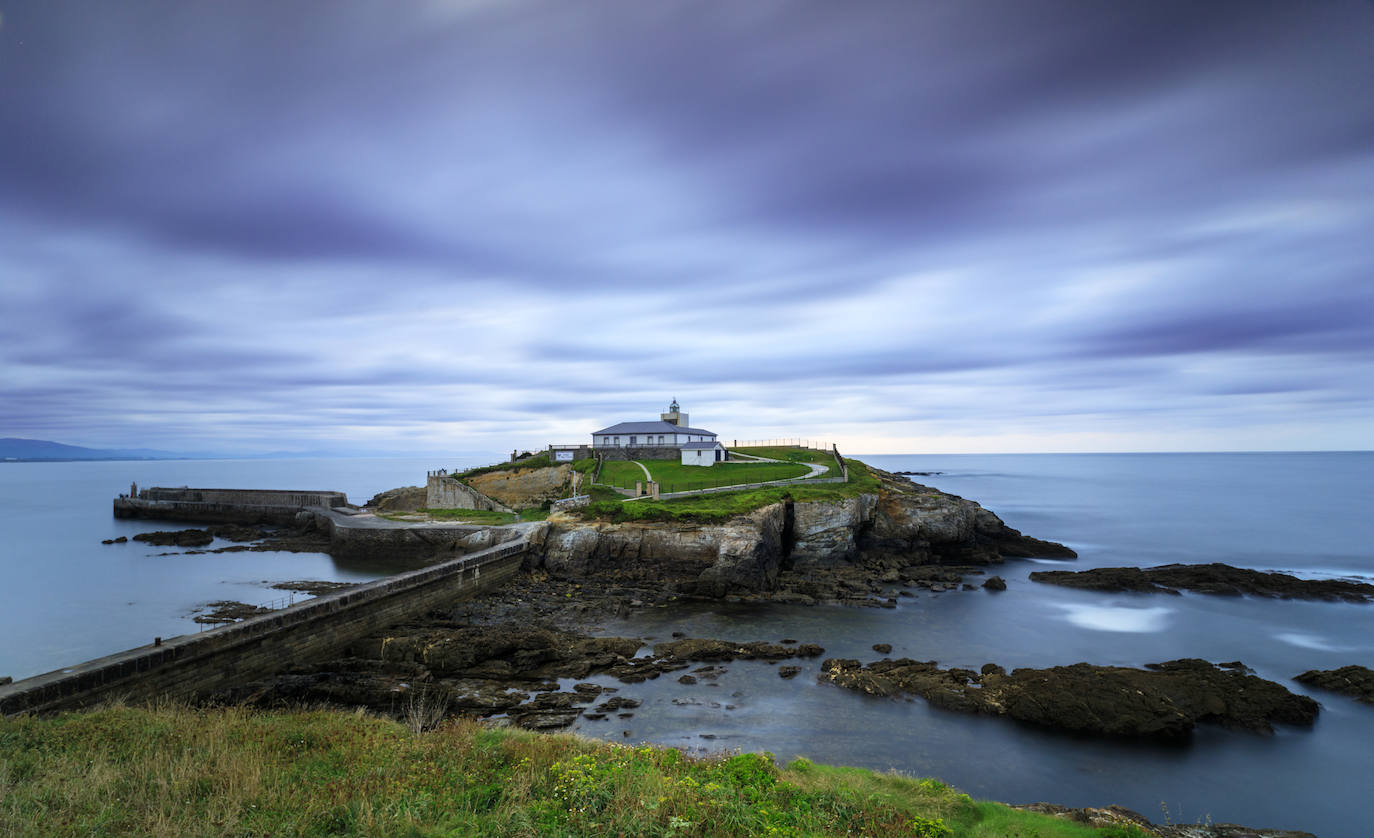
(68, 598)
(1306, 513)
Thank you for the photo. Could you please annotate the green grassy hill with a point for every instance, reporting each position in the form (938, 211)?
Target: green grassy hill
(675, 477)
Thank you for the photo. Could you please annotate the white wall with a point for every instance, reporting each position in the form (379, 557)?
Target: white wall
(609, 441)
(698, 456)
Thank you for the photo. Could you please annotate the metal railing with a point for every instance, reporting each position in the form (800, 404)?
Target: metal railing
(272, 605)
(786, 442)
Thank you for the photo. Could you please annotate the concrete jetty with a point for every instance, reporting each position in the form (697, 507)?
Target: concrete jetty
(199, 664)
(224, 506)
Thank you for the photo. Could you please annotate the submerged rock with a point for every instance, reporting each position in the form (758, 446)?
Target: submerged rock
(314, 587)
(1161, 701)
(1354, 681)
(235, 532)
(228, 611)
(700, 649)
(1215, 578)
(176, 538)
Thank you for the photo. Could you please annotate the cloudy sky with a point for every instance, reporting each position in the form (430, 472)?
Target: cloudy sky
(903, 226)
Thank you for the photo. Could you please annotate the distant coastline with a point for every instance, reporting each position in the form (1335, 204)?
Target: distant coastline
(90, 459)
(16, 450)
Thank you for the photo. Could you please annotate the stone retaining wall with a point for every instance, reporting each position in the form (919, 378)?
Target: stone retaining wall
(199, 664)
(249, 497)
(407, 543)
(444, 492)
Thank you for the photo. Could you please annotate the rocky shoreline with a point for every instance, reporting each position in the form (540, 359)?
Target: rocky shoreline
(245, 538)
(502, 656)
(1163, 701)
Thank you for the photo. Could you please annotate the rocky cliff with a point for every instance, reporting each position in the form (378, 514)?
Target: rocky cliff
(791, 547)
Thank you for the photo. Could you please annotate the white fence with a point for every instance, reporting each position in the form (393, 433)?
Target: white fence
(787, 442)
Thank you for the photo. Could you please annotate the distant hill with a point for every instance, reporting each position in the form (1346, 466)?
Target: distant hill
(14, 449)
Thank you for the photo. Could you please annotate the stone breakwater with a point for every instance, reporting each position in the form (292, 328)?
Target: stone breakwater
(234, 506)
(197, 664)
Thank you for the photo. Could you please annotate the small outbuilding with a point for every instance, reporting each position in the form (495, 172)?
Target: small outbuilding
(702, 453)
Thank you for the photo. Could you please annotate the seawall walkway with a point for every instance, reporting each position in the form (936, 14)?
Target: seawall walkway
(199, 664)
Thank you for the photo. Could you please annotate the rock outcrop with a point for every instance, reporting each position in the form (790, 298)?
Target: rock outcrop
(705, 559)
(404, 499)
(1127, 822)
(1354, 681)
(176, 538)
(824, 533)
(1219, 579)
(443, 668)
(1162, 701)
(847, 550)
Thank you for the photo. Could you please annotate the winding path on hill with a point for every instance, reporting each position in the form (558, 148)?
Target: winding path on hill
(816, 468)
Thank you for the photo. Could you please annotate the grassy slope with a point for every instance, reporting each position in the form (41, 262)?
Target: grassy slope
(187, 772)
(721, 506)
(537, 461)
(621, 473)
(793, 454)
(675, 477)
(471, 516)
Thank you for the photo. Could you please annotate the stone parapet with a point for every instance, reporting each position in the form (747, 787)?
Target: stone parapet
(199, 664)
(445, 492)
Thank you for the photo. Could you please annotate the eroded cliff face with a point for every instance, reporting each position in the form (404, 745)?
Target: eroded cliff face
(524, 488)
(901, 525)
(828, 533)
(741, 554)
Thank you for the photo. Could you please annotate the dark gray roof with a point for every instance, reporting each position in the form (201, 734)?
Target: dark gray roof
(699, 445)
(659, 427)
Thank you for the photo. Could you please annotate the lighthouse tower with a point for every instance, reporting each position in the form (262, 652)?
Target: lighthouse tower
(674, 415)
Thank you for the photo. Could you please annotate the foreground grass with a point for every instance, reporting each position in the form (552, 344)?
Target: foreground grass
(187, 772)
